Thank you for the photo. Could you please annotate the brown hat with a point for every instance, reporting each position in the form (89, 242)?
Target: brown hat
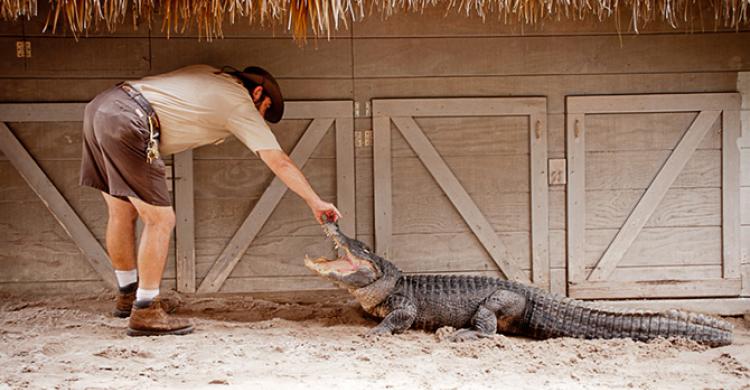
(253, 76)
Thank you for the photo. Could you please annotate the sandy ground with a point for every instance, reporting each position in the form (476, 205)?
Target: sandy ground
(249, 343)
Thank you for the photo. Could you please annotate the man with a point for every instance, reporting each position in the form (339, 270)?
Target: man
(127, 127)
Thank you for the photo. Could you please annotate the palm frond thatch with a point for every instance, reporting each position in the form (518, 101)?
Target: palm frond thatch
(321, 17)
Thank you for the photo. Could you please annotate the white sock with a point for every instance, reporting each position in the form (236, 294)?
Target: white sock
(126, 278)
(146, 295)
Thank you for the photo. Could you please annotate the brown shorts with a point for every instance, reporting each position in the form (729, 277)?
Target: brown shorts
(115, 137)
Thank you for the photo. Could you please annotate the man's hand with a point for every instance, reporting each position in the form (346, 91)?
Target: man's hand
(321, 208)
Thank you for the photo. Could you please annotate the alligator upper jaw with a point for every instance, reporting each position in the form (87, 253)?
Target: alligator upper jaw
(344, 265)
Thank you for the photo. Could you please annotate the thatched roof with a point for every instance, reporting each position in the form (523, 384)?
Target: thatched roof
(322, 17)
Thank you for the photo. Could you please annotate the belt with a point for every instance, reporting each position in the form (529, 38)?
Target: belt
(152, 150)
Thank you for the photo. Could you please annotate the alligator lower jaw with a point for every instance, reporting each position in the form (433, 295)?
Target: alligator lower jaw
(341, 266)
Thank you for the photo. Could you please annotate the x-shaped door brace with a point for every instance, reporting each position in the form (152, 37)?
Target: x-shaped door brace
(710, 107)
(401, 112)
(41, 184)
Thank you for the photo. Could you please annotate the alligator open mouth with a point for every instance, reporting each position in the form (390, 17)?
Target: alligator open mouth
(343, 265)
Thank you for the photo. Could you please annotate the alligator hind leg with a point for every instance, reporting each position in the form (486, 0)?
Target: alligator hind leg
(499, 312)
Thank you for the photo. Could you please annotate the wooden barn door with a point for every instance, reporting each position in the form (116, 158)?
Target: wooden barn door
(263, 263)
(488, 156)
(653, 196)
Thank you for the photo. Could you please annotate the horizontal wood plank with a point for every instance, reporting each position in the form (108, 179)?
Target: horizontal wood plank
(115, 57)
(479, 175)
(327, 59)
(413, 57)
(217, 218)
(217, 179)
(636, 169)
(608, 209)
(653, 103)
(458, 107)
(506, 212)
(51, 260)
(660, 246)
(49, 140)
(470, 136)
(656, 289)
(714, 306)
(274, 256)
(10, 64)
(644, 131)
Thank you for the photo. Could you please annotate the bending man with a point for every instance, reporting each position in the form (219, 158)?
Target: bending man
(126, 131)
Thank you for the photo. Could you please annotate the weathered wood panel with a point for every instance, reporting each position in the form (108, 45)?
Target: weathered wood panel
(662, 289)
(660, 246)
(680, 207)
(329, 59)
(636, 169)
(412, 252)
(644, 131)
(470, 136)
(50, 141)
(506, 212)
(745, 163)
(52, 260)
(10, 64)
(14, 29)
(479, 175)
(64, 174)
(221, 217)
(413, 57)
(115, 57)
(287, 132)
(249, 178)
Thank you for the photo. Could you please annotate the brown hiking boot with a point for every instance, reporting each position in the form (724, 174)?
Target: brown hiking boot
(152, 320)
(125, 299)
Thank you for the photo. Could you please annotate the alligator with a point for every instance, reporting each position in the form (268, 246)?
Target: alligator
(480, 306)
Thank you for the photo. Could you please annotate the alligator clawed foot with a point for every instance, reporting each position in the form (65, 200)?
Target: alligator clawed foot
(463, 335)
(377, 332)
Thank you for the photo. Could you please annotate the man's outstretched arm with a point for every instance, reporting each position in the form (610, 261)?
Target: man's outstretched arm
(290, 174)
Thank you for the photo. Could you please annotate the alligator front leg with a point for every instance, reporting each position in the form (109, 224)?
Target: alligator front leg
(401, 313)
(498, 312)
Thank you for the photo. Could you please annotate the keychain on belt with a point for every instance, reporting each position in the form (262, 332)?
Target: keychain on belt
(152, 151)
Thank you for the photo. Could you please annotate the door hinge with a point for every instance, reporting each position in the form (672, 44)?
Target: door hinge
(23, 49)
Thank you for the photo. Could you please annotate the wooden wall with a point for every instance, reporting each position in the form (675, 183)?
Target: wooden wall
(743, 86)
(403, 56)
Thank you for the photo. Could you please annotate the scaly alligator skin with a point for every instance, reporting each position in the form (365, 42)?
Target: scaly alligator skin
(481, 306)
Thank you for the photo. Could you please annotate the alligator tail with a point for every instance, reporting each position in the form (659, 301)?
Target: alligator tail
(556, 316)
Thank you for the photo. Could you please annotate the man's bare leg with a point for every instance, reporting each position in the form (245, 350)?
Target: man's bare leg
(121, 248)
(121, 233)
(158, 222)
(148, 317)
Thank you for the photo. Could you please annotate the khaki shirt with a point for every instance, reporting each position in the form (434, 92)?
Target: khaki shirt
(196, 107)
